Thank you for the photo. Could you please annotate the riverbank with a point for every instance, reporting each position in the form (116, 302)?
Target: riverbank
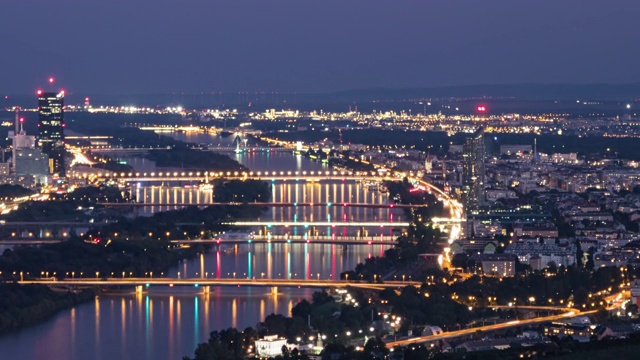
(133, 247)
(26, 305)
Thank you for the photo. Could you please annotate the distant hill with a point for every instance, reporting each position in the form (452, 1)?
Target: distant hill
(258, 100)
(517, 91)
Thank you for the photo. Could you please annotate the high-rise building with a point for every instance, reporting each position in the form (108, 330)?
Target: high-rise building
(29, 162)
(473, 154)
(51, 129)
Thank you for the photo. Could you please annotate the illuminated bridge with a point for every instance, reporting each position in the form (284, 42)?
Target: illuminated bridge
(144, 150)
(247, 149)
(320, 223)
(256, 239)
(241, 175)
(139, 283)
(270, 204)
(296, 239)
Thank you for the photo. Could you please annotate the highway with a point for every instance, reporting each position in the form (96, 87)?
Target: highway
(474, 330)
(568, 313)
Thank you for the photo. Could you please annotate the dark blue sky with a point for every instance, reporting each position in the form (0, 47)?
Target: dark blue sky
(161, 46)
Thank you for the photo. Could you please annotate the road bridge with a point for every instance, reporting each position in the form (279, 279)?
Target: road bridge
(296, 239)
(256, 239)
(52, 223)
(270, 204)
(207, 281)
(380, 224)
(242, 149)
(14, 242)
(230, 223)
(242, 175)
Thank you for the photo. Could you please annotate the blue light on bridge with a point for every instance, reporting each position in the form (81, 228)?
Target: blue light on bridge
(196, 285)
(328, 204)
(146, 285)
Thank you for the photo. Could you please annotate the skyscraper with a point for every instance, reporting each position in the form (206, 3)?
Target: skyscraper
(473, 154)
(51, 129)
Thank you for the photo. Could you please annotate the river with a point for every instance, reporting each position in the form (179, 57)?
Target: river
(168, 323)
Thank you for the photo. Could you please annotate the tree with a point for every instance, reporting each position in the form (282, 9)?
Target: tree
(302, 309)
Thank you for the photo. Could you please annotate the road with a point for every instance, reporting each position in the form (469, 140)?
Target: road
(217, 282)
(614, 298)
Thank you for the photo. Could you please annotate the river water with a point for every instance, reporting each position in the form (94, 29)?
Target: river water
(168, 323)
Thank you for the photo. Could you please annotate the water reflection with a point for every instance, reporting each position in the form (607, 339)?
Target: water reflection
(152, 326)
(167, 323)
(333, 194)
(278, 261)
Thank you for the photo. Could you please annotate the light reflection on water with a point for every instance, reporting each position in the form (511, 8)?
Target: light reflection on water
(168, 323)
(336, 193)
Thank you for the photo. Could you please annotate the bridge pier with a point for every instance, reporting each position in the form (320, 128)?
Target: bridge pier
(139, 289)
(206, 290)
(274, 290)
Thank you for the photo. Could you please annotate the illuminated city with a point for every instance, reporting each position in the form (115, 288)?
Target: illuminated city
(337, 180)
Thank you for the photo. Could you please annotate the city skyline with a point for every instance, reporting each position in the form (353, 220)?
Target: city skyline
(133, 47)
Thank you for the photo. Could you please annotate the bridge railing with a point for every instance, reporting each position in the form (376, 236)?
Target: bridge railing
(365, 175)
(325, 237)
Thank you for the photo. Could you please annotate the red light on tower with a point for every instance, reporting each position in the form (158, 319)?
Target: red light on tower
(481, 109)
(51, 80)
(39, 92)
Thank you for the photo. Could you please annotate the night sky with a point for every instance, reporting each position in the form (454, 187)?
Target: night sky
(192, 46)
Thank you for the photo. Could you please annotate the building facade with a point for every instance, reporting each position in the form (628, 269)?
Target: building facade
(473, 182)
(51, 129)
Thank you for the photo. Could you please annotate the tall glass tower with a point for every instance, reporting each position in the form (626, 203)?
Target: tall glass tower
(473, 153)
(51, 129)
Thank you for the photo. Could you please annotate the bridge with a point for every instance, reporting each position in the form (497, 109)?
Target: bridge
(269, 204)
(207, 282)
(52, 223)
(320, 223)
(296, 239)
(231, 223)
(243, 149)
(230, 149)
(13, 242)
(256, 239)
(240, 175)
